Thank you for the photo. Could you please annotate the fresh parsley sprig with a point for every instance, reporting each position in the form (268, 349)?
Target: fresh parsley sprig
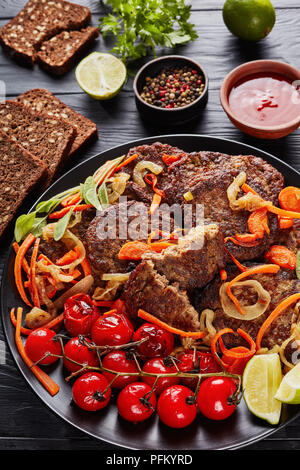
(142, 25)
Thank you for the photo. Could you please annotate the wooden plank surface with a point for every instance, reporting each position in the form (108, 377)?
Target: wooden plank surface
(25, 422)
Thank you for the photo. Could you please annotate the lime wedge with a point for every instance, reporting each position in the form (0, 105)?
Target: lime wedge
(261, 379)
(101, 75)
(289, 389)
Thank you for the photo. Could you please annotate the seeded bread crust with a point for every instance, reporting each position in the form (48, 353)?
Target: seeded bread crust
(20, 172)
(49, 139)
(59, 54)
(38, 21)
(41, 100)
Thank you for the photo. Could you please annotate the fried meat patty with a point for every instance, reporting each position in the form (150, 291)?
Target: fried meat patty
(195, 260)
(146, 289)
(279, 287)
(207, 175)
(116, 225)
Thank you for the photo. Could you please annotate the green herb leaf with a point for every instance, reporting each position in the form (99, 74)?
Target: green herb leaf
(139, 28)
(39, 224)
(103, 196)
(24, 225)
(47, 206)
(298, 264)
(90, 193)
(61, 225)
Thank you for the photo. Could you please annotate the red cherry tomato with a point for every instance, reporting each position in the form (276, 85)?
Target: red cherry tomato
(41, 342)
(112, 329)
(176, 407)
(79, 314)
(158, 366)
(136, 402)
(120, 362)
(213, 398)
(88, 392)
(159, 344)
(203, 362)
(76, 350)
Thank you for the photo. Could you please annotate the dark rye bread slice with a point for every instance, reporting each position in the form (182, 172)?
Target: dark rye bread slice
(38, 21)
(48, 138)
(59, 54)
(20, 172)
(44, 101)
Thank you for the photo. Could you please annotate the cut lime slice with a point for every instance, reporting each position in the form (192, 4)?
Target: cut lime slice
(101, 75)
(289, 389)
(261, 379)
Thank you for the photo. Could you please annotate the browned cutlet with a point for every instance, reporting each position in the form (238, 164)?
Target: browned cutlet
(279, 285)
(146, 289)
(115, 226)
(195, 260)
(207, 176)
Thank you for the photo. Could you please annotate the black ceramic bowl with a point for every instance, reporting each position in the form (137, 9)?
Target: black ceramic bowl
(171, 116)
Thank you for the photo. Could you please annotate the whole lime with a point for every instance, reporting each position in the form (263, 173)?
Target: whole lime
(249, 19)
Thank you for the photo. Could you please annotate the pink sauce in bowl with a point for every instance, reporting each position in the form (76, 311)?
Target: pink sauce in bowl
(265, 100)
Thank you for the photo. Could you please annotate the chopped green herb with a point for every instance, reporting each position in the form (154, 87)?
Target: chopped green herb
(142, 25)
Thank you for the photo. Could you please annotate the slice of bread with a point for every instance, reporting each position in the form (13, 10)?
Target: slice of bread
(44, 101)
(48, 138)
(59, 54)
(38, 21)
(20, 172)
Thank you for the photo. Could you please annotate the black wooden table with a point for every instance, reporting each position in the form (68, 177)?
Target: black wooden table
(25, 422)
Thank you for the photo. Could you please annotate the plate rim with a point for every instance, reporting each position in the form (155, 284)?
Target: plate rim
(13, 352)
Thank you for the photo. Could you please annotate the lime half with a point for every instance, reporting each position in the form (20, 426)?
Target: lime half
(261, 379)
(101, 75)
(289, 389)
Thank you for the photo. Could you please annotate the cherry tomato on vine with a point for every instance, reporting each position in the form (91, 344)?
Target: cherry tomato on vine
(159, 366)
(214, 397)
(120, 361)
(176, 406)
(79, 314)
(196, 361)
(112, 329)
(136, 402)
(41, 342)
(159, 344)
(88, 391)
(75, 349)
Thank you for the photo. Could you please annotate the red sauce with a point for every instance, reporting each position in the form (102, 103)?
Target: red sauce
(265, 100)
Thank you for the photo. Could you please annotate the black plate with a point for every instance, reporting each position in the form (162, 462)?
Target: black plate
(240, 429)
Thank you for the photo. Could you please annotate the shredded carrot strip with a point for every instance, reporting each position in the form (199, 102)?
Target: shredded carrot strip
(265, 268)
(65, 210)
(152, 319)
(133, 250)
(246, 237)
(45, 258)
(24, 331)
(68, 258)
(285, 222)
(242, 243)
(151, 179)
(282, 256)
(155, 203)
(103, 303)
(247, 189)
(33, 284)
(169, 159)
(71, 200)
(258, 222)
(241, 267)
(109, 312)
(276, 312)
(25, 265)
(18, 266)
(223, 274)
(42, 377)
(126, 161)
(86, 267)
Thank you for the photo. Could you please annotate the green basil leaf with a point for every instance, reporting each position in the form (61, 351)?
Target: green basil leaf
(39, 224)
(23, 225)
(103, 196)
(47, 206)
(61, 225)
(90, 193)
(298, 264)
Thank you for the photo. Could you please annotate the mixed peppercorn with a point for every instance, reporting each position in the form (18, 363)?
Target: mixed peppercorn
(173, 87)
